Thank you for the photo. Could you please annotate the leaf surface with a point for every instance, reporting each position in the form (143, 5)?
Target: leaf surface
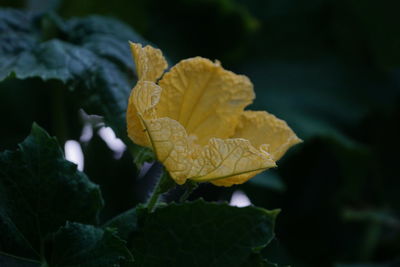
(77, 245)
(200, 234)
(39, 191)
(89, 55)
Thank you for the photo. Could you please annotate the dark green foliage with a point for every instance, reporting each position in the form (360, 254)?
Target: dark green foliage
(40, 190)
(204, 234)
(85, 245)
(43, 197)
(77, 59)
(125, 223)
(12, 261)
(90, 56)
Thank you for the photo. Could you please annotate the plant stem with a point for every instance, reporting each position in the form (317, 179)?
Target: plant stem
(190, 187)
(155, 195)
(164, 184)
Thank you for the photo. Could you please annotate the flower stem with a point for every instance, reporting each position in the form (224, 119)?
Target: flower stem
(164, 184)
(190, 187)
(155, 196)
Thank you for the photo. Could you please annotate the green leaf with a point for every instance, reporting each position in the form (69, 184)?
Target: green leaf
(12, 261)
(106, 37)
(53, 59)
(125, 223)
(17, 34)
(77, 245)
(200, 234)
(91, 57)
(39, 192)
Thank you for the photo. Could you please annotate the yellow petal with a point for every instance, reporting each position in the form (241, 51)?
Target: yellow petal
(150, 62)
(205, 98)
(171, 146)
(237, 179)
(142, 102)
(229, 161)
(219, 160)
(266, 132)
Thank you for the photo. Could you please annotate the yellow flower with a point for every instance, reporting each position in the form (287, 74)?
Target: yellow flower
(194, 120)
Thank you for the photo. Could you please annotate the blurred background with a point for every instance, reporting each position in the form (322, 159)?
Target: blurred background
(330, 68)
